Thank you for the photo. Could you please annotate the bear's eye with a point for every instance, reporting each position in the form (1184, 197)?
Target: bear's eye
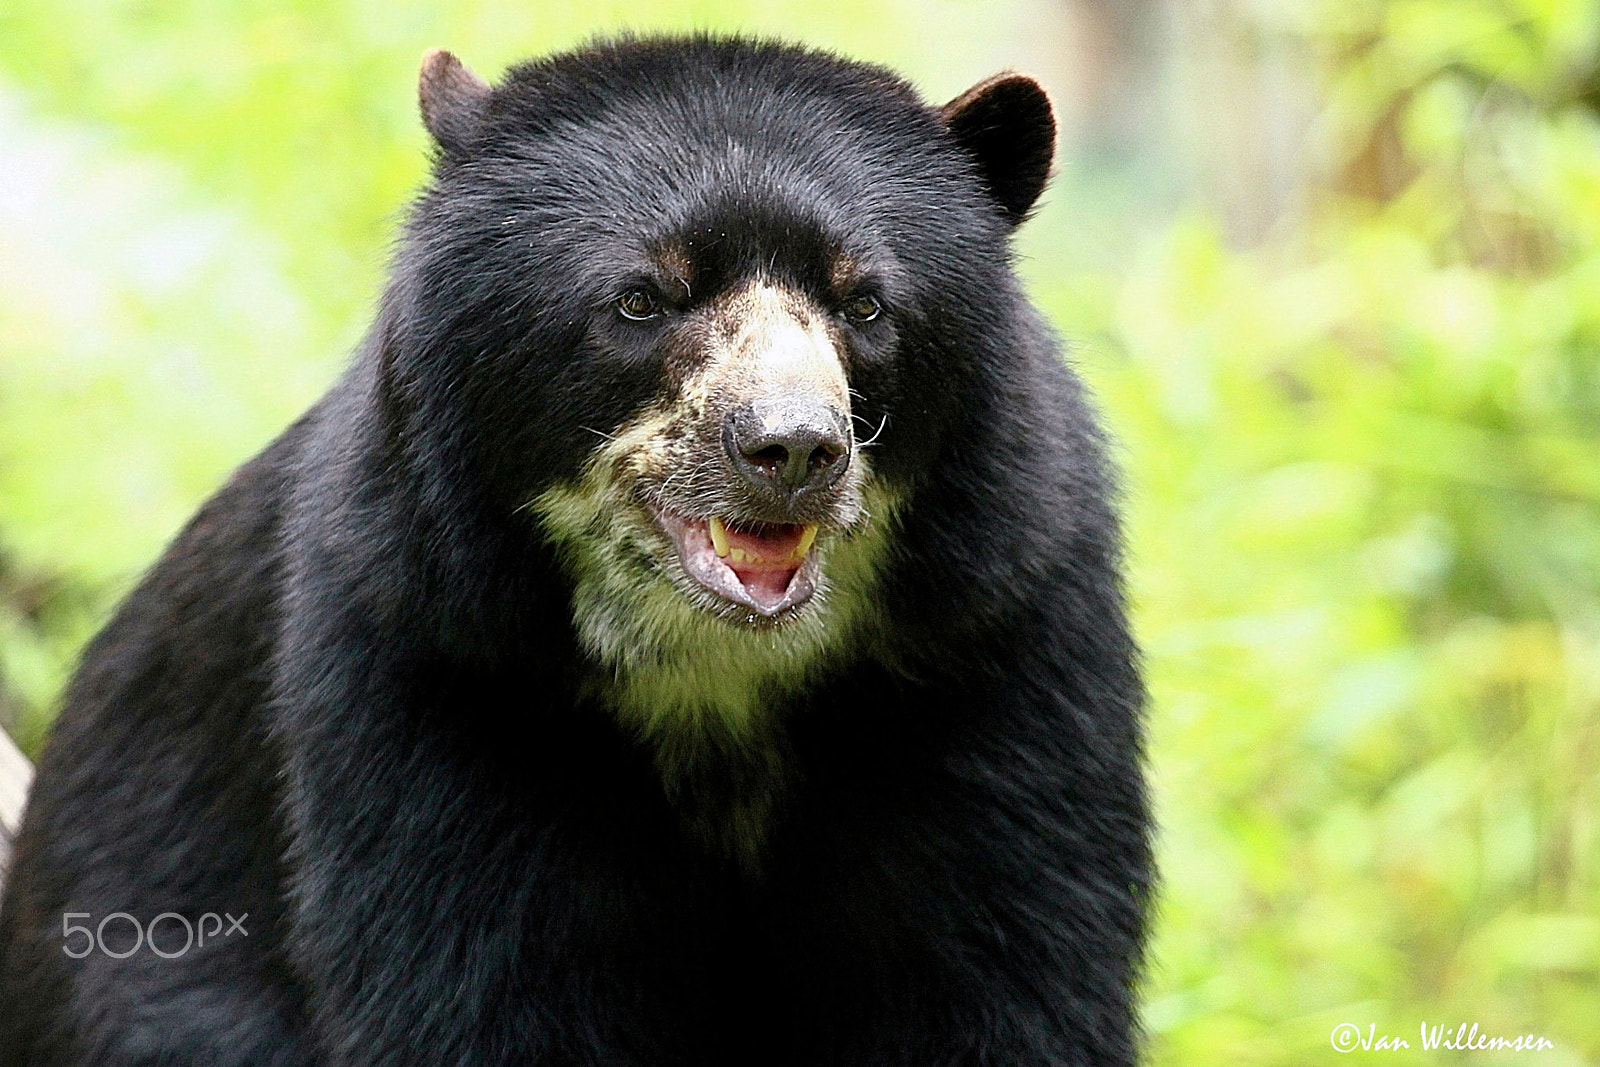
(863, 308)
(638, 304)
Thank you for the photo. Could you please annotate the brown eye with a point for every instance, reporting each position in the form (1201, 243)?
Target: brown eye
(862, 308)
(638, 304)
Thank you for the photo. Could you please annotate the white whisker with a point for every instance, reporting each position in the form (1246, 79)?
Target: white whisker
(876, 433)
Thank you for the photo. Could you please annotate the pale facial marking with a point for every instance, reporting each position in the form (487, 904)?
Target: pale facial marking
(776, 346)
(674, 664)
(678, 654)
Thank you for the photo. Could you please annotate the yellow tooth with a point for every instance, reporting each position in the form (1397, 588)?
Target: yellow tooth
(807, 536)
(739, 555)
(719, 536)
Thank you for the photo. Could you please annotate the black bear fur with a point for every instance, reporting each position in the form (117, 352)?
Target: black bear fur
(351, 700)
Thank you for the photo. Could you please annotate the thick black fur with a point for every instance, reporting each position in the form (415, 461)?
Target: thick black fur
(350, 702)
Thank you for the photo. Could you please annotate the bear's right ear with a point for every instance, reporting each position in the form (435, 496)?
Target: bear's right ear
(454, 101)
(1006, 126)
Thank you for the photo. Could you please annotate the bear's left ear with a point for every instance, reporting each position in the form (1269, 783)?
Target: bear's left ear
(454, 100)
(1006, 125)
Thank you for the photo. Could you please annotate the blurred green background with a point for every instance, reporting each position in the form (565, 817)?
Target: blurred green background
(1333, 267)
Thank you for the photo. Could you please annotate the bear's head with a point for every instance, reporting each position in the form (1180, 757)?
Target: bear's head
(703, 317)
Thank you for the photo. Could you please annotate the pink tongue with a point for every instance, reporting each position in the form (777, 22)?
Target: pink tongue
(767, 572)
(766, 585)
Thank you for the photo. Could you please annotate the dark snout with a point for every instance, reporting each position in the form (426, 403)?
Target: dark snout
(788, 445)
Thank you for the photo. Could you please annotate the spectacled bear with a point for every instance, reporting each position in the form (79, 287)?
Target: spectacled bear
(689, 633)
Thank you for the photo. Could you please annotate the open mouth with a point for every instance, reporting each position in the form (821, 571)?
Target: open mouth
(766, 567)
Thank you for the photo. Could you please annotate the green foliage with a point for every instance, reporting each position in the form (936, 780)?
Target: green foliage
(1365, 489)
(1363, 450)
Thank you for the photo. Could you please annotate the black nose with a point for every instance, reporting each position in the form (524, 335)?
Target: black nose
(788, 444)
